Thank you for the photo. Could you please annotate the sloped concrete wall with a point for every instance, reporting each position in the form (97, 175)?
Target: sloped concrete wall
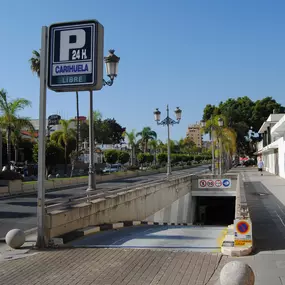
(179, 212)
(132, 205)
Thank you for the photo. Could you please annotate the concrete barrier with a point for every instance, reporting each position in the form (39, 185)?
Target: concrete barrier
(22, 187)
(132, 205)
(241, 212)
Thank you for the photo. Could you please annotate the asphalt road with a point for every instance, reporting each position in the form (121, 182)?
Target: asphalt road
(186, 238)
(20, 212)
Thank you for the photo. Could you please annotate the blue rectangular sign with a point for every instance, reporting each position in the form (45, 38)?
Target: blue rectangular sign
(75, 60)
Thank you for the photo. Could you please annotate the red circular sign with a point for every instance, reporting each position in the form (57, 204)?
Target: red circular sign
(218, 183)
(243, 227)
(210, 183)
(203, 183)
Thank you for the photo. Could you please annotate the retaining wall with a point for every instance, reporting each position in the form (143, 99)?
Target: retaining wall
(132, 205)
(19, 187)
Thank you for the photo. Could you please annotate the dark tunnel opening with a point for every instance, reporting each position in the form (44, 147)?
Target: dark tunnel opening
(218, 211)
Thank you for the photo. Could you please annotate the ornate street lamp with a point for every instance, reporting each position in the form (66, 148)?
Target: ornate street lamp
(167, 122)
(112, 63)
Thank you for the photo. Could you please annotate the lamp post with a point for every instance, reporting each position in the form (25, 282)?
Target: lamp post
(221, 124)
(167, 122)
(111, 62)
(203, 124)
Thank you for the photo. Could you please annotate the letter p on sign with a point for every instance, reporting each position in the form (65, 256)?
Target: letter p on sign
(73, 39)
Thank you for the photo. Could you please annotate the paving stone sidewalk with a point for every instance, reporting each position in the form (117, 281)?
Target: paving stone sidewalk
(266, 199)
(111, 266)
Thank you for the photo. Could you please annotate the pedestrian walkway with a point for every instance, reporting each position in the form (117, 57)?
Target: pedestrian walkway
(266, 199)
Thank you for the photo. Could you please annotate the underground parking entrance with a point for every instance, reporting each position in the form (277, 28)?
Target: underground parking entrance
(214, 210)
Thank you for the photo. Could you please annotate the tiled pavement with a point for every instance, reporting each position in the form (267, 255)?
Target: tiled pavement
(111, 266)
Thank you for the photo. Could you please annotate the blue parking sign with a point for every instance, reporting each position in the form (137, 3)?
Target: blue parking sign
(226, 183)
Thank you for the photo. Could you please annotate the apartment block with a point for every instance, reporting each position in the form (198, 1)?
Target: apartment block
(194, 132)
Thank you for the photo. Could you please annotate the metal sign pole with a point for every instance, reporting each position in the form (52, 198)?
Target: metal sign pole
(91, 173)
(41, 238)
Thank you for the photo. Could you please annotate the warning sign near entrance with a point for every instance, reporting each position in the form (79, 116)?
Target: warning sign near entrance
(203, 183)
(210, 183)
(214, 183)
(243, 233)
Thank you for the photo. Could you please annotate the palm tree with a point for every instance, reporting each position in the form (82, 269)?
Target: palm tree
(35, 62)
(9, 119)
(146, 135)
(19, 125)
(131, 136)
(225, 137)
(153, 144)
(64, 136)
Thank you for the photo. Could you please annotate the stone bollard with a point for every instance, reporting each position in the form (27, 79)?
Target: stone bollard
(15, 238)
(237, 273)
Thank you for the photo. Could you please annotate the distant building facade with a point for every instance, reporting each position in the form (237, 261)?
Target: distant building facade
(194, 133)
(272, 147)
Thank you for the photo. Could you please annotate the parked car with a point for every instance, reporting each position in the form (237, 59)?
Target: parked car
(112, 168)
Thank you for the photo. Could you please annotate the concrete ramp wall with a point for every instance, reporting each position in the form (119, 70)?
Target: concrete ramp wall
(179, 212)
(132, 205)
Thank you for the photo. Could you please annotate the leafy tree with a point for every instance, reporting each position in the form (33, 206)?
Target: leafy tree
(142, 158)
(162, 158)
(54, 155)
(16, 135)
(261, 111)
(241, 114)
(149, 158)
(63, 137)
(74, 155)
(123, 157)
(10, 120)
(146, 135)
(111, 156)
(153, 145)
(35, 63)
(131, 137)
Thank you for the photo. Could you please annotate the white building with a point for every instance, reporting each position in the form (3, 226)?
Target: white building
(272, 146)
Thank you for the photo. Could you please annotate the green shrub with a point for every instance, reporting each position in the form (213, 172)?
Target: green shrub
(149, 157)
(111, 156)
(162, 158)
(123, 157)
(142, 158)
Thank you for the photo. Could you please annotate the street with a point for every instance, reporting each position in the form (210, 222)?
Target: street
(20, 212)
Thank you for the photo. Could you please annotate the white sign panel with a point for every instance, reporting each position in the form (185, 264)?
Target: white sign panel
(215, 183)
(243, 232)
(75, 57)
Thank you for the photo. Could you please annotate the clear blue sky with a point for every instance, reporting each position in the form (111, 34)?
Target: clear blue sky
(184, 53)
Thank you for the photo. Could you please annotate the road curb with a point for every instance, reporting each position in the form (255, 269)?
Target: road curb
(68, 237)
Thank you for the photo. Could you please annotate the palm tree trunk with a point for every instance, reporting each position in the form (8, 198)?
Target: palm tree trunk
(8, 146)
(132, 156)
(77, 123)
(16, 153)
(65, 159)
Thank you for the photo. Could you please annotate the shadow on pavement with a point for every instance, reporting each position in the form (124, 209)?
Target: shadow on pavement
(23, 203)
(13, 215)
(268, 217)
